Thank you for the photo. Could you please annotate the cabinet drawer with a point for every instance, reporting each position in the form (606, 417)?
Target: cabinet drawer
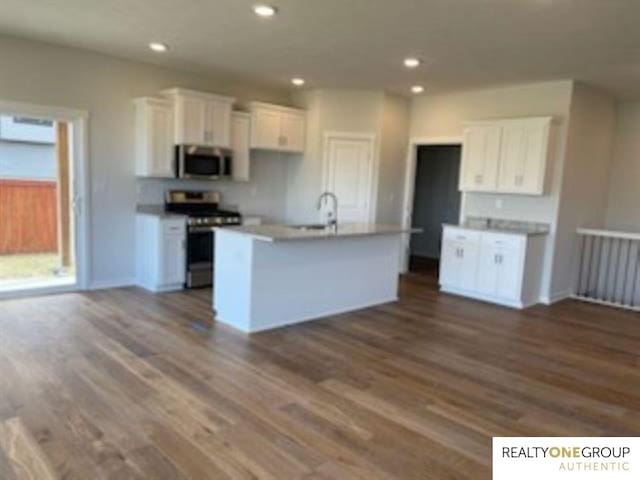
(453, 234)
(503, 241)
(173, 227)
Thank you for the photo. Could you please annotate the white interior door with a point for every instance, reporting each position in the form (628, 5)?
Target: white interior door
(349, 172)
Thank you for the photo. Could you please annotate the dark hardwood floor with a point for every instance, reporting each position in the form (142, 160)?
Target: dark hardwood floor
(124, 384)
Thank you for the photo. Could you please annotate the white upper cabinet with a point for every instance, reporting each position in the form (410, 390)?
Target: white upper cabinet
(240, 131)
(292, 127)
(523, 156)
(154, 138)
(274, 127)
(506, 156)
(480, 156)
(201, 118)
(265, 132)
(190, 125)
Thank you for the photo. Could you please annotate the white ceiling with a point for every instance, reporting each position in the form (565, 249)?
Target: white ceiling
(358, 43)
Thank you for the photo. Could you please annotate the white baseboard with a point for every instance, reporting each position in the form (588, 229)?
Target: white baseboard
(115, 283)
(485, 298)
(315, 316)
(555, 297)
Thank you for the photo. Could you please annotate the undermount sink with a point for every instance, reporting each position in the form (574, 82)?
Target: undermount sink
(311, 226)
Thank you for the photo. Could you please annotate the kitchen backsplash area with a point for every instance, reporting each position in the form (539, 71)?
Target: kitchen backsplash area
(264, 195)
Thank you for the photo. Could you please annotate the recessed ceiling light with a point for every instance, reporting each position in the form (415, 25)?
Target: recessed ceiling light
(417, 89)
(265, 10)
(411, 62)
(298, 82)
(158, 47)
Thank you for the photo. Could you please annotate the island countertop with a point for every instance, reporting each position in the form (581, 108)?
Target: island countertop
(281, 233)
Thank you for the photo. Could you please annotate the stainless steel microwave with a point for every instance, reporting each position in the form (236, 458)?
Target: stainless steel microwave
(208, 163)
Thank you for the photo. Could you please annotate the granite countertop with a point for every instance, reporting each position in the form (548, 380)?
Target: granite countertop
(279, 233)
(514, 227)
(156, 211)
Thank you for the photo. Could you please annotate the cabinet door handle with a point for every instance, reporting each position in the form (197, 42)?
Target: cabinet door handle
(462, 253)
(495, 259)
(478, 179)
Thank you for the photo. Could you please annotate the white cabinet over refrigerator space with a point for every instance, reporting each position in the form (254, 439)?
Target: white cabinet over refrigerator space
(278, 128)
(507, 156)
(154, 138)
(201, 118)
(503, 268)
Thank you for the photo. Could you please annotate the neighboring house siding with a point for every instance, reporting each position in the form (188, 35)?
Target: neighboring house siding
(28, 196)
(27, 161)
(27, 149)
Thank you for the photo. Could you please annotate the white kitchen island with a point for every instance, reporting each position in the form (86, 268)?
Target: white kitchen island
(268, 276)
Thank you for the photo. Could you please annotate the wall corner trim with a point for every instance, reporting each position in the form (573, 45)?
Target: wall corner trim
(555, 297)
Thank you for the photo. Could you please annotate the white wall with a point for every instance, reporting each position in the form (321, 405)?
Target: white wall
(585, 179)
(104, 86)
(444, 116)
(623, 210)
(357, 111)
(394, 139)
(354, 111)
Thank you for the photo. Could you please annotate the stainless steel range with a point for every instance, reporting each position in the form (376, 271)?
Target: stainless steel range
(203, 216)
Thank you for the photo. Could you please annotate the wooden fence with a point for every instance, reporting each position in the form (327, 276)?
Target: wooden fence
(28, 217)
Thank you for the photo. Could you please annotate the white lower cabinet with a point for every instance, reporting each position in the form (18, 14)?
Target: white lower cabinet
(161, 252)
(497, 267)
(459, 260)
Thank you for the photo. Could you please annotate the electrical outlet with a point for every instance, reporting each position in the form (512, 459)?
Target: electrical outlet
(499, 203)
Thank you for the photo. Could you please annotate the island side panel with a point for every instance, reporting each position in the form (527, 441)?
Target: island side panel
(296, 281)
(232, 279)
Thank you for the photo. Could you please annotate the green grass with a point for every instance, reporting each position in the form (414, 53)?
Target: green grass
(28, 265)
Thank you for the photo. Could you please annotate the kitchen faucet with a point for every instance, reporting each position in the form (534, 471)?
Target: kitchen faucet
(332, 220)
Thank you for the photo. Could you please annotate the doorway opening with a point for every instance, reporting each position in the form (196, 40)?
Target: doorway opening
(37, 221)
(436, 200)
